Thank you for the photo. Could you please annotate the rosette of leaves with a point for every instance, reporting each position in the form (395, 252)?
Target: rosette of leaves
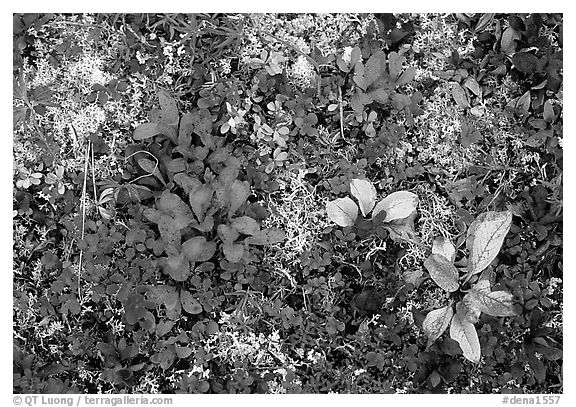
(216, 204)
(483, 242)
(396, 211)
(377, 79)
(168, 122)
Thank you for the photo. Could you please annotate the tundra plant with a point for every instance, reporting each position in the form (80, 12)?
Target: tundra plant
(396, 212)
(483, 242)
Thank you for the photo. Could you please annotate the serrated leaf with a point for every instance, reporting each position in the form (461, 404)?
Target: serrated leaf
(436, 323)
(233, 252)
(198, 249)
(245, 225)
(465, 334)
(266, 237)
(485, 237)
(168, 107)
(365, 192)
(189, 303)
(459, 95)
(443, 246)
(443, 272)
(342, 211)
(398, 205)
(146, 131)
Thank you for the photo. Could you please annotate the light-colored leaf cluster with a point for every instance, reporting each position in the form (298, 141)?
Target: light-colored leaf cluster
(399, 209)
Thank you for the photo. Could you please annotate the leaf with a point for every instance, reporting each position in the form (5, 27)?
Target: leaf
(443, 246)
(398, 205)
(168, 106)
(200, 199)
(233, 252)
(198, 249)
(169, 230)
(468, 310)
(465, 334)
(523, 102)
(342, 211)
(548, 114)
(245, 225)
(436, 323)
(239, 193)
(407, 76)
(485, 237)
(443, 272)
(202, 119)
(174, 206)
(176, 267)
(375, 67)
(395, 62)
(146, 131)
(266, 237)
(365, 192)
(187, 182)
(525, 62)
(227, 234)
(494, 303)
(459, 95)
(484, 22)
(189, 303)
(182, 351)
(508, 41)
(473, 85)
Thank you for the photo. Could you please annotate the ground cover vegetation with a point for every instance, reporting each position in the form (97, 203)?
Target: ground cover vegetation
(287, 203)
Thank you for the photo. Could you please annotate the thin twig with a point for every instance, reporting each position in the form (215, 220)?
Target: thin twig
(341, 112)
(83, 204)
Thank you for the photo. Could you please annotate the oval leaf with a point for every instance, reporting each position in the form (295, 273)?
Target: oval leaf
(459, 95)
(375, 67)
(189, 303)
(168, 106)
(342, 211)
(485, 237)
(365, 192)
(398, 205)
(443, 272)
(177, 267)
(233, 252)
(436, 323)
(465, 334)
(525, 62)
(145, 131)
(197, 249)
(245, 225)
(442, 246)
(239, 193)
